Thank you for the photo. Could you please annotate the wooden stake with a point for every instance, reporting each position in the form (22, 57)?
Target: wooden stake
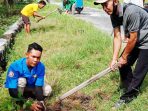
(85, 83)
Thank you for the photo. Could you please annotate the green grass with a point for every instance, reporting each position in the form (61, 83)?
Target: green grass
(73, 51)
(9, 16)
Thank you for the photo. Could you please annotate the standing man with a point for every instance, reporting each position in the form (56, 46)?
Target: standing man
(25, 78)
(135, 23)
(31, 10)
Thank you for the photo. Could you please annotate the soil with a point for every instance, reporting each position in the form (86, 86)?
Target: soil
(100, 94)
(78, 101)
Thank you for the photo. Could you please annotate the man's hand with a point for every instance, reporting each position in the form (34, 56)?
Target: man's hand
(35, 107)
(113, 65)
(43, 17)
(122, 61)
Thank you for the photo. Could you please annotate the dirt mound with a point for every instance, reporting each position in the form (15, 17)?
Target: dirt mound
(77, 101)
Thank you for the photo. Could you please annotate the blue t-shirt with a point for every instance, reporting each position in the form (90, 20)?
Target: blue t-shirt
(79, 3)
(34, 77)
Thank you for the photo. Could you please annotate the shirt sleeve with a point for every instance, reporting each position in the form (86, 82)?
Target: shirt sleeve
(11, 78)
(40, 77)
(133, 22)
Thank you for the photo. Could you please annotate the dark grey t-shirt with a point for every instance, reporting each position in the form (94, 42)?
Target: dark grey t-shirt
(135, 19)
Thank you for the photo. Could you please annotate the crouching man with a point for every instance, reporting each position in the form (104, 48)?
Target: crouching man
(25, 78)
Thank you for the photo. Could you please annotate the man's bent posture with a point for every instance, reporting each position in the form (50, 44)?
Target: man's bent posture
(135, 23)
(25, 78)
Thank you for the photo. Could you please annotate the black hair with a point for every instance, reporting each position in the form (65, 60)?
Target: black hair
(42, 2)
(34, 46)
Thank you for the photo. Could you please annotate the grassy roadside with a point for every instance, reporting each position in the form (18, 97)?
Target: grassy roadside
(9, 16)
(73, 52)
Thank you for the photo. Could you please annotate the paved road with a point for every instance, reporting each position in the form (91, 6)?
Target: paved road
(95, 16)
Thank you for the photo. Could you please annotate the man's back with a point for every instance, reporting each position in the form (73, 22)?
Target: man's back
(29, 9)
(79, 3)
(135, 19)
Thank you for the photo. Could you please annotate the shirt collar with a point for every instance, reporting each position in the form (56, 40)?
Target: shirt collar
(26, 69)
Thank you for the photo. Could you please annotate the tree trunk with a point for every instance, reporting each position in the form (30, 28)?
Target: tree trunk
(8, 3)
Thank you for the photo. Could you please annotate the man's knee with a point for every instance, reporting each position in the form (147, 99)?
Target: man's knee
(47, 90)
(22, 82)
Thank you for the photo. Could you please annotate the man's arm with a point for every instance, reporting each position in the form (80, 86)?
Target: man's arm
(11, 78)
(40, 83)
(132, 26)
(117, 42)
(39, 93)
(129, 47)
(39, 89)
(13, 92)
(35, 14)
